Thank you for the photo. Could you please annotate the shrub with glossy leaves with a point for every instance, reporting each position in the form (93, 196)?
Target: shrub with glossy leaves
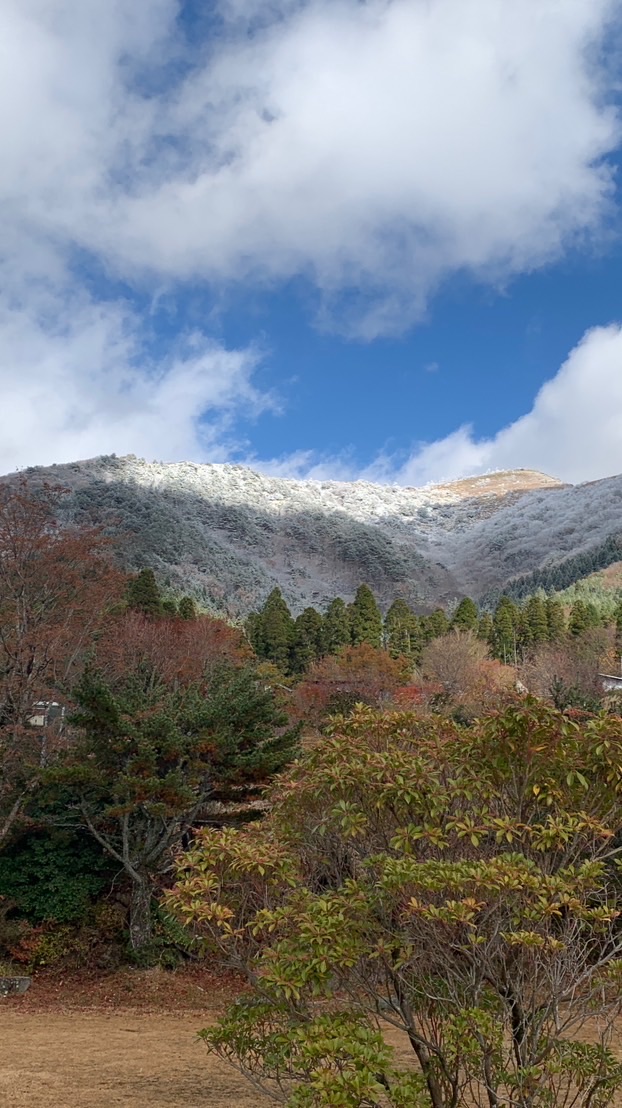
(457, 885)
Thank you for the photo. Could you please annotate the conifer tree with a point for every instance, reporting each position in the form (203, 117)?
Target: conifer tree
(618, 627)
(466, 616)
(307, 640)
(524, 634)
(149, 754)
(435, 625)
(336, 629)
(582, 616)
(365, 618)
(401, 631)
(143, 594)
(555, 620)
(505, 622)
(274, 631)
(187, 608)
(485, 628)
(536, 617)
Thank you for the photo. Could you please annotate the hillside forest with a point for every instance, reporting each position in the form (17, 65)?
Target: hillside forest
(369, 816)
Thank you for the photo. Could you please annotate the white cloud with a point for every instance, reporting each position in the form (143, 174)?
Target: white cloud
(375, 147)
(78, 380)
(573, 431)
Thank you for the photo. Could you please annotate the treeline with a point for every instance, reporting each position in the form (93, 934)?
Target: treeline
(562, 575)
(294, 644)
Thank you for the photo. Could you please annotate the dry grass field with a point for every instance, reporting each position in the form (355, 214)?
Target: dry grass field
(126, 1041)
(90, 1060)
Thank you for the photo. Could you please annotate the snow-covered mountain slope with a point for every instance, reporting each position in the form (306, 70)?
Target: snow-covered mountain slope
(228, 534)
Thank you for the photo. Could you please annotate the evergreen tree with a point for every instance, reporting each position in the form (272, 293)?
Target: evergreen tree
(582, 617)
(149, 754)
(485, 628)
(143, 594)
(435, 625)
(536, 617)
(401, 631)
(466, 616)
(307, 640)
(365, 618)
(274, 631)
(187, 608)
(555, 620)
(524, 634)
(253, 632)
(505, 623)
(336, 629)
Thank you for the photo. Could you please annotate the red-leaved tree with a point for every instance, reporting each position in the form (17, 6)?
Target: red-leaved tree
(57, 585)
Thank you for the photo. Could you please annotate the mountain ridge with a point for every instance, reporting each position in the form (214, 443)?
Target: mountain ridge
(228, 534)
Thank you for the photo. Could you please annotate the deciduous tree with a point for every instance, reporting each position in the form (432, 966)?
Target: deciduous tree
(56, 587)
(357, 674)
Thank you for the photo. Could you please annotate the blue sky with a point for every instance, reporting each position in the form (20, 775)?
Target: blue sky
(373, 240)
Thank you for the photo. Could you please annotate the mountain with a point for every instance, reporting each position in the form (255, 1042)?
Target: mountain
(227, 534)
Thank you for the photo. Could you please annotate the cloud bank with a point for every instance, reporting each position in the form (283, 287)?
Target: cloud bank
(373, 148)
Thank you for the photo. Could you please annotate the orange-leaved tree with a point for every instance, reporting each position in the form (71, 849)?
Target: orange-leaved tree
(57, 584)
(357, 674)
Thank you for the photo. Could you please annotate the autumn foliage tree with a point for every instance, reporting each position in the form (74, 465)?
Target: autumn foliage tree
(458, 668)
(357, 674)
(56, 588)
(459, 886)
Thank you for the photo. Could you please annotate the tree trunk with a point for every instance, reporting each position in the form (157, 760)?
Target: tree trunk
(140, 912)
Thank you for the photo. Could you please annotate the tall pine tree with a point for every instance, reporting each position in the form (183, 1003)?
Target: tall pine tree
(505, 625)
(536, 617)
(307, 640)
(555, 620)
(143, 594)
(402, 634)
(618, 629)
(485, 628)
(434, 626)
(272, 631)
(365, 618)
(466, 616)
(336, 629)
(583, 616)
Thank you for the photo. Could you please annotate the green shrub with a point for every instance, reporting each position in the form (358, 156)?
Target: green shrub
(54, 876)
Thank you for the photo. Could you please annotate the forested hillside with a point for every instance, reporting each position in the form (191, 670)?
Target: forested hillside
(228, 536)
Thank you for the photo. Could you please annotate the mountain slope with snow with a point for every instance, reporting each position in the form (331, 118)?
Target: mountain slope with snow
(228, 534)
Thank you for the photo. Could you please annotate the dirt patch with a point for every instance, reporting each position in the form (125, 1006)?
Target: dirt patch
(193, 989)
(94, 1060)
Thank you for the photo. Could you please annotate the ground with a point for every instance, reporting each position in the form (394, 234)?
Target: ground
(128, 1039)
(91, 1060)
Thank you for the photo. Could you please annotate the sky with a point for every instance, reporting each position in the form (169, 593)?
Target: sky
(351, 239)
